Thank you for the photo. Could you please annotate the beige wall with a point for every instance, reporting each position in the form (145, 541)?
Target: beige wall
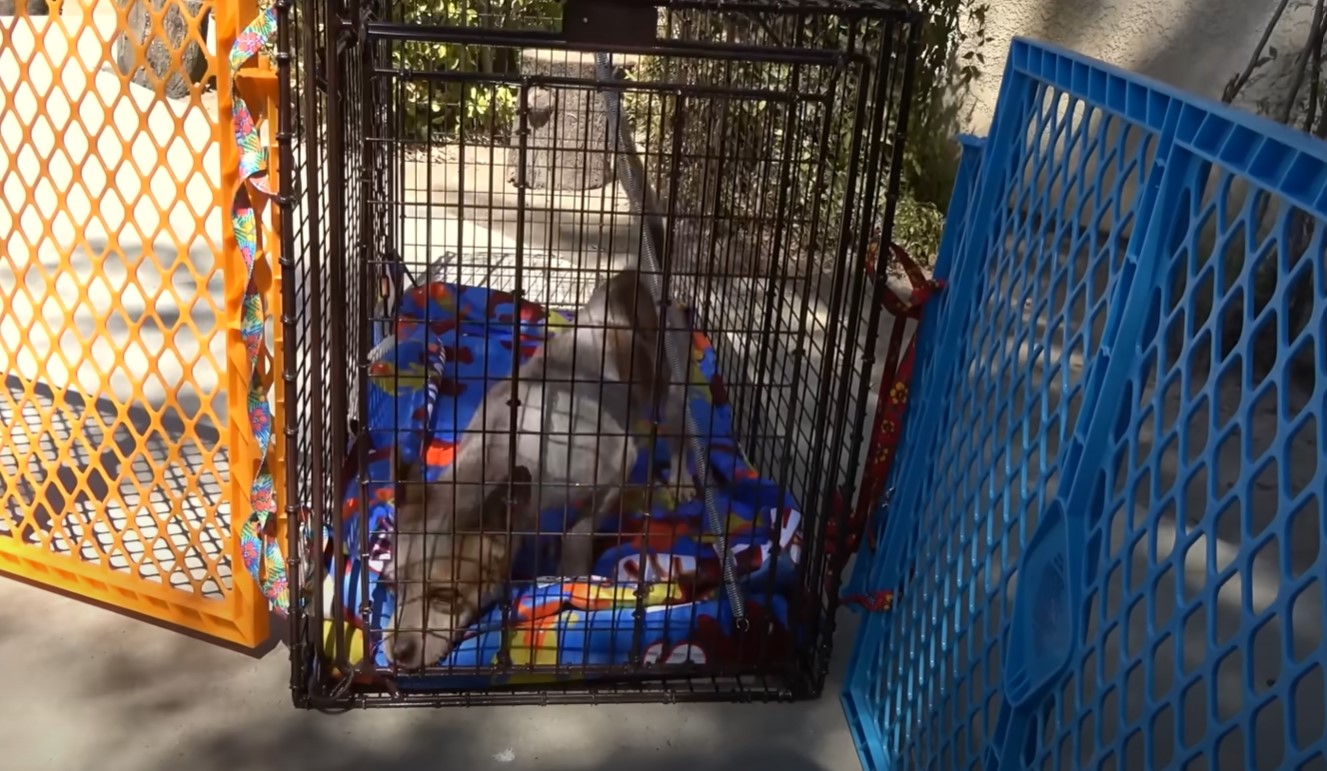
(1197, 45)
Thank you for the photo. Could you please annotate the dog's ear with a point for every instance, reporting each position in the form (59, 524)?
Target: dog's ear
(508, 502)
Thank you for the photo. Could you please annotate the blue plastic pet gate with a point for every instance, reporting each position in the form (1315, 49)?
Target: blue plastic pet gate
(1106, 534)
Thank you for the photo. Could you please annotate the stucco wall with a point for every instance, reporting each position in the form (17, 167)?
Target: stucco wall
(1193, 44)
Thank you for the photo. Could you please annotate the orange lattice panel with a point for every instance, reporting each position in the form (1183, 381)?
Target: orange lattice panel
(115, 297)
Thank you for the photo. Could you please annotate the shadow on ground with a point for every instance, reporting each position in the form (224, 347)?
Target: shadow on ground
(145, 698)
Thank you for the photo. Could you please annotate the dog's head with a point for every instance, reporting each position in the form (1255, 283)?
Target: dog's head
(445, 578)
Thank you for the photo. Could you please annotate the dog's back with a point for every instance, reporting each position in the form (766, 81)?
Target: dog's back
(583, 395)
(573, 427)
(572, 435)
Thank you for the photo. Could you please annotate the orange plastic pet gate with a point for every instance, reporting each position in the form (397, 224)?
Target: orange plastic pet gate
(125, 456)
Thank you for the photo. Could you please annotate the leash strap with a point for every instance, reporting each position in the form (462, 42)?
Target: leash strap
(892, 395)
(259, 545)
(887, 427)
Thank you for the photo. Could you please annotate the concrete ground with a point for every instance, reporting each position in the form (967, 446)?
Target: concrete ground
(86, 687)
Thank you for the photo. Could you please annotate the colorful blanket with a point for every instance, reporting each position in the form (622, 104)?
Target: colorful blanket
(427, 380)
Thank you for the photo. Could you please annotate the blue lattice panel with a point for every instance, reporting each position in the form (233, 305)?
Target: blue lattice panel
(1203, 479)
(1105, 537)
(1006, 355)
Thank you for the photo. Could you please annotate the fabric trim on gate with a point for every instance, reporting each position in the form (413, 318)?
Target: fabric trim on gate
(259, 545)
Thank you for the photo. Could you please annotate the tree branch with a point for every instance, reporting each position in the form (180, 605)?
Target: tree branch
(1315, 85)
(1321, 130)
(1237, 84)
(1302, 62)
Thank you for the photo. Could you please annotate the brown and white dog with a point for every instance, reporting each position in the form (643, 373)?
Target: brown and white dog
(572, 439)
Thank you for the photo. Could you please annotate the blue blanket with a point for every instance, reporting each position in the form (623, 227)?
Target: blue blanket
(428, 378)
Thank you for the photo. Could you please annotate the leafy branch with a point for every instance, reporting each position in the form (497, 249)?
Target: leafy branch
(756, 140)
(433, 110)
(1305, 70)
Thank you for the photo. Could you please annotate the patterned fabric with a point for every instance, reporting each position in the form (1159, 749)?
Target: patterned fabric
(451, 343)
(259, 546)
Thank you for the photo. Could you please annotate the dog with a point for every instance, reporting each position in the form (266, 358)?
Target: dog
(573, 410)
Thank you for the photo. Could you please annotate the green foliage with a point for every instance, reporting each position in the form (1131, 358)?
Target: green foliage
(917, 228)
(751, 132)
(951, 60)
(434, 109)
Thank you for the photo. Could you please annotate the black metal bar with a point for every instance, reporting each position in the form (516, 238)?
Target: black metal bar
(338, 324)
(856, 277)
(884, 9)
(775, 289)
(881, 284)
(289, 352)
(874, 9)
(586, 695)
(797, 604)
(770, 95)
(824, 403)
(427, 33)
(363, 313)
(522, 161)
(596, 675)
(313, 296)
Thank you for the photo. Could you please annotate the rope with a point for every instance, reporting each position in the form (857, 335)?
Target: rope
(259, 545)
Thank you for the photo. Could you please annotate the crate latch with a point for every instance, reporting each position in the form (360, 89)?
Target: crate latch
(610, 23)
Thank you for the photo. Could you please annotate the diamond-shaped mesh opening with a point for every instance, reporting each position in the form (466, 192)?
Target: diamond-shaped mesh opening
(1211, 514)
(111, 293)
(144, 502)
(1052, 258)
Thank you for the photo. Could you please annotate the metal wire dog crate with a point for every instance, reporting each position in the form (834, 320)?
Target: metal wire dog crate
(458, 189)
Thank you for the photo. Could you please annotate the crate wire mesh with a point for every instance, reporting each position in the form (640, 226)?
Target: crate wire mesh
(435, 152)
(1107, 539)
